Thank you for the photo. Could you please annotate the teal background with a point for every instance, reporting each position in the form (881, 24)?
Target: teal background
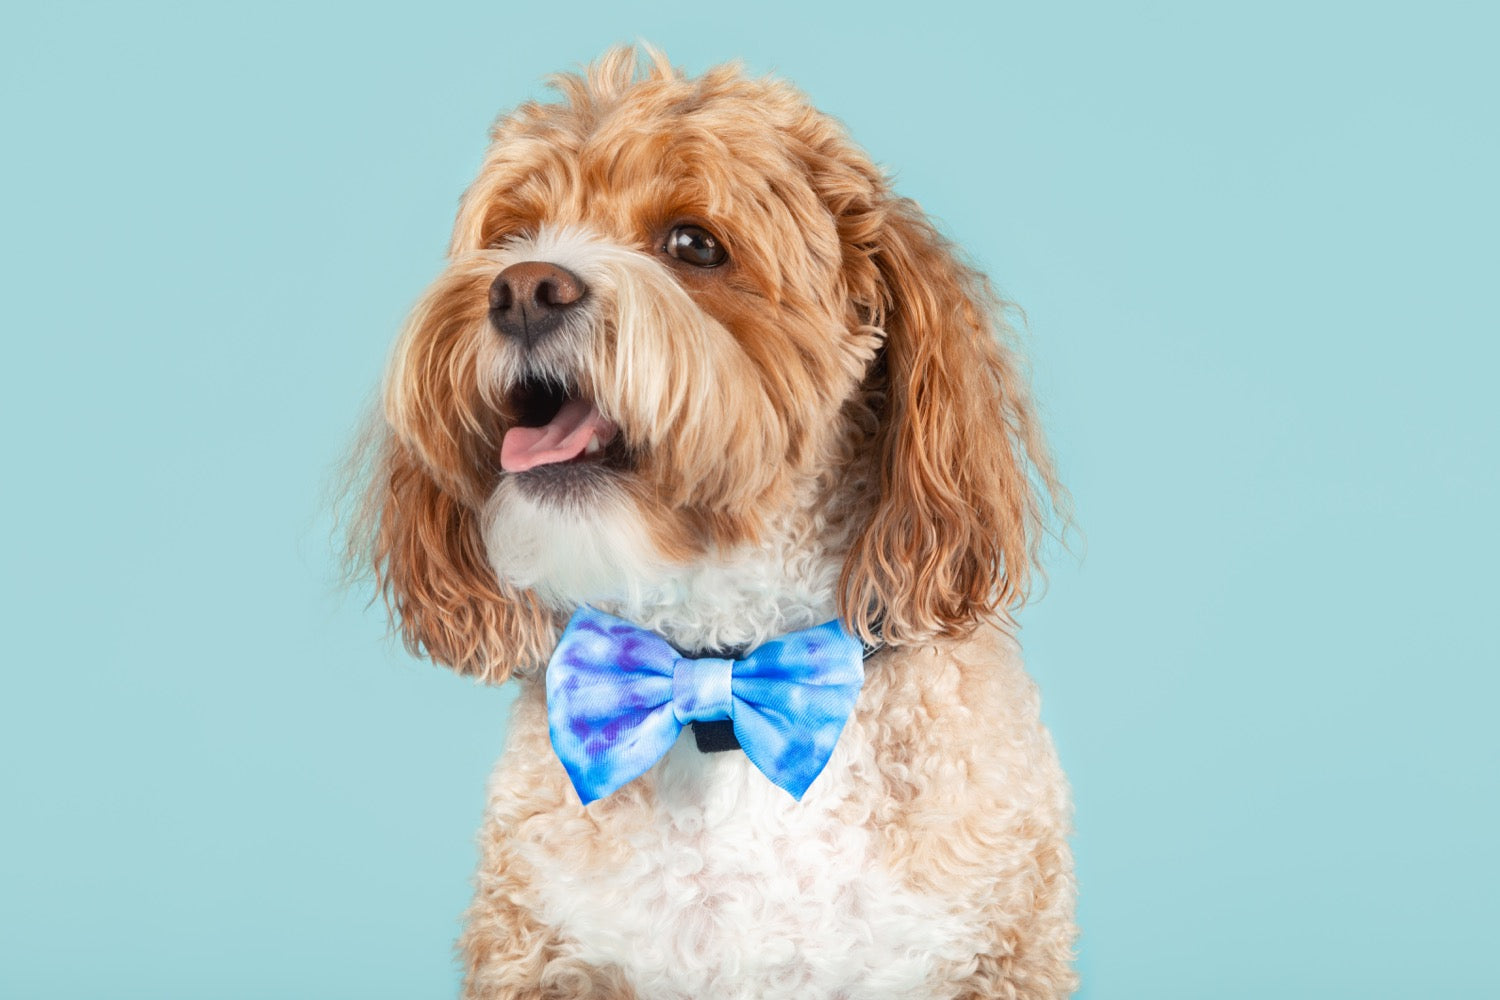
(1256, 248)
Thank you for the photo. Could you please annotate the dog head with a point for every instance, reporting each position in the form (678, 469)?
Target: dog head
(675, 312)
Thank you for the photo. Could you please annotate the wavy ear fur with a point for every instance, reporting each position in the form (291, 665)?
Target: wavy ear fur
(424, 468)
(424, 547)
(965, 479)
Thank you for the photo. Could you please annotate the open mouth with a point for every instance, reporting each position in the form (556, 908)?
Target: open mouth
(554, 425)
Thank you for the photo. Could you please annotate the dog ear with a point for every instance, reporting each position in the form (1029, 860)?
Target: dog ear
(417, 529)
(424, 547)
(964, 478)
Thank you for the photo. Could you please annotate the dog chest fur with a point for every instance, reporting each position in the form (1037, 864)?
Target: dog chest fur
(730, 888)
(702, 878)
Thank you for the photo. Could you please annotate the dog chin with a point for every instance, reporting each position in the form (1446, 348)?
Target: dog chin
(572, 535)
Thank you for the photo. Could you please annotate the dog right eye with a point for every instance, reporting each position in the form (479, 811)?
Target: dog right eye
(695, 245)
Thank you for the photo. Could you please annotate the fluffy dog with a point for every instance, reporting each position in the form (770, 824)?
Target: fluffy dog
(693, 364)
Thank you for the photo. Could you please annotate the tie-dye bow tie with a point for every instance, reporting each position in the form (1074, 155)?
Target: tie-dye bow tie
(618, 696)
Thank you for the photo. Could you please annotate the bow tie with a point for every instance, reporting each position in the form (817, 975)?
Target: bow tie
(618, 696)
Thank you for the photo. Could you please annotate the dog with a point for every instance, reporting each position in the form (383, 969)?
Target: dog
(693, 368)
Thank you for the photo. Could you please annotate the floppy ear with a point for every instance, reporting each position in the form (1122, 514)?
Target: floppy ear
(424, 547)
(430, 470)
(958, 518)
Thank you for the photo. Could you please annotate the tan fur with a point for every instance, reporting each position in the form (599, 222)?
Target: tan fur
(845, 351)
(974, 806)
(954, 534)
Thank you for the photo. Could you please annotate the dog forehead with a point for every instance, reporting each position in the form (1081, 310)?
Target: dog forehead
(642, 172)
(745, 157)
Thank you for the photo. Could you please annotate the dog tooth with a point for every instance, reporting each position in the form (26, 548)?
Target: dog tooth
(593, 445)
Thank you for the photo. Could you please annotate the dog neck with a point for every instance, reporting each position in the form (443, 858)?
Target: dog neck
(737, 598)
(722, 598)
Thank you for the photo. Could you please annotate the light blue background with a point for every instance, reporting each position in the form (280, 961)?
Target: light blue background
(1257, 250)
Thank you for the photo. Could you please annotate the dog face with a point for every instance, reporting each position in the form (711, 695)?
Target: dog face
(677, 311)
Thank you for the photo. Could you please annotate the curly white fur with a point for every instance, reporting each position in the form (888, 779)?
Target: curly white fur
(739, 892)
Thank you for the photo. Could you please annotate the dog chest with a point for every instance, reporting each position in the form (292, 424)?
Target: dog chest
(730, 887)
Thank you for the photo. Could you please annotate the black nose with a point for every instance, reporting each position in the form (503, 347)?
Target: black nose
(530, 299)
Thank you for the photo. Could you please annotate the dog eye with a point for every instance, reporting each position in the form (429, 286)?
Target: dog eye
(695, 245)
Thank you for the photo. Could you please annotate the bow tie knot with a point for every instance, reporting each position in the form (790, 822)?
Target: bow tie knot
(618, 696)
(702, 690)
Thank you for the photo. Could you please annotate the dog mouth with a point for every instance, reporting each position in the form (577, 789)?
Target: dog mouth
(555, 425)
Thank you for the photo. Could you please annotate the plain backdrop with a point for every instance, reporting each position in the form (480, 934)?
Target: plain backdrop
(1256, 249)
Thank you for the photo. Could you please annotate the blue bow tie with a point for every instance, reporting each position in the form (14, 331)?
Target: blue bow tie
(618, 696)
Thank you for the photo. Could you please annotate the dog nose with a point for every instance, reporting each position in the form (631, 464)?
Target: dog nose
(530, 299)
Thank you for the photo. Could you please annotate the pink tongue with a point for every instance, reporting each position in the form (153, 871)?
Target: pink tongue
(562, 440)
